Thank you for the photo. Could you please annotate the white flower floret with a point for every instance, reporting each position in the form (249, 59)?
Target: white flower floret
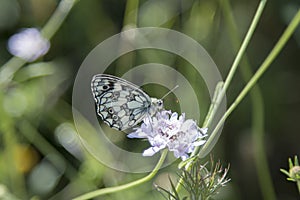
(167, 130)
(28, 44)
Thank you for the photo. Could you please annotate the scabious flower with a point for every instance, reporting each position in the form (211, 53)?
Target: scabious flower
(29, 44)
(167, 130)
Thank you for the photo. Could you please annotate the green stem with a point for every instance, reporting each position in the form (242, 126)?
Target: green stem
(220, 93)
(260, 157)
(211, 140)
(9, 69)
(261, 163)
(57, 18)
(128, 185)
(264, 66)
(298, 185)
(214, 105)
(245, 43)
(131, 13)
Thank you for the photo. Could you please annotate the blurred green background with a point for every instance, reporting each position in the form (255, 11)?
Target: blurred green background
(40, 155)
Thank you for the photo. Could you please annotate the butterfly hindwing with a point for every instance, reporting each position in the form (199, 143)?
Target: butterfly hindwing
(120, 104)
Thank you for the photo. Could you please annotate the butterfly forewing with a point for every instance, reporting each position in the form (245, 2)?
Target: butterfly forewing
(120, 104)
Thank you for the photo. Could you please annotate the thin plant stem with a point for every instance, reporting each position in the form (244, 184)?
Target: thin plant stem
(57, 18)
(245, 43)
(264, 66)
(131, 13)
(220, 92)
(257, 115)
(298, 186)
(128, 185)
(261, 163)
(259, 11)
(9, 69)
(214, 105)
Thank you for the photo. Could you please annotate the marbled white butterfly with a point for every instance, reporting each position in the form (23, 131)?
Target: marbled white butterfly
(122, 104)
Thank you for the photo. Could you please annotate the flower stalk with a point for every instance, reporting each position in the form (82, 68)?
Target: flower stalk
(128, 185)
(261, 70)
(264, 66)
(220, 93)
(210, 142)
(260, 157)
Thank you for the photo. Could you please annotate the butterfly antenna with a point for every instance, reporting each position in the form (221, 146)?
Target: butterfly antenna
(170, 91)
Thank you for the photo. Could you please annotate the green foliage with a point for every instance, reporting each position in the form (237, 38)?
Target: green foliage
(201, 182)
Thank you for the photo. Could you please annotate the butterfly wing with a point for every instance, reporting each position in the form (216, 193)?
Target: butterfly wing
(120, 104)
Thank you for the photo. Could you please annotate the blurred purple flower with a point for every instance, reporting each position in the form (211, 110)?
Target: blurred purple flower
(28, 44)
(166, 130)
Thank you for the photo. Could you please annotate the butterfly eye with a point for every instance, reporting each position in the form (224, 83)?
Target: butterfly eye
(159, 103)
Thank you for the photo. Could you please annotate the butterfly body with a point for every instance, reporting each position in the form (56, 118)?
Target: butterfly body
(122, 104)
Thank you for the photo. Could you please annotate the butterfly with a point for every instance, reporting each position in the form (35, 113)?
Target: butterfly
(120, 103)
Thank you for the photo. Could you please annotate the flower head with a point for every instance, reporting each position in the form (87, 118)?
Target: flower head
(167, 130)
(28, 44)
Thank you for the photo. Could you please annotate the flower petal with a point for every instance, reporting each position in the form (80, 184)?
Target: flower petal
(166, 129)
(199, 143)
(137, 134)
(203, 130)
(150, 151)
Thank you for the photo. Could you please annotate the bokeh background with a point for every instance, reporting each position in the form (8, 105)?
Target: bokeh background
(40, 154)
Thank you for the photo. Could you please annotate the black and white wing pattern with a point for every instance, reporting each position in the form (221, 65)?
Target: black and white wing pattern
(121, 104)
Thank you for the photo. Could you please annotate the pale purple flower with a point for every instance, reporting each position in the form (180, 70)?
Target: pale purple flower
(28, 44)
(167, 130)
